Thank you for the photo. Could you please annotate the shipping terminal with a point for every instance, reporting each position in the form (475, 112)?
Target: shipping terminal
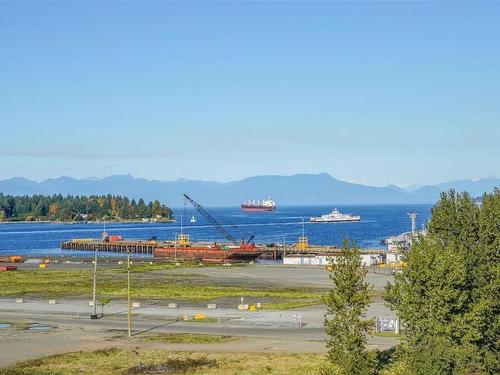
(183, 249)
(179, 250)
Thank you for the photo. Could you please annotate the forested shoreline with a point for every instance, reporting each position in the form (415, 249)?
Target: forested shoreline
(59, 208)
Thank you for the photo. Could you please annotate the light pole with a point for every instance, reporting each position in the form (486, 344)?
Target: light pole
(175, 247)
(94, 302)
(129, 312)
(284, 247)
(413, 217)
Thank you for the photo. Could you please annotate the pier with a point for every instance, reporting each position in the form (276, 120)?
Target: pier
(132, 247)
(148, 248)
(277, 252)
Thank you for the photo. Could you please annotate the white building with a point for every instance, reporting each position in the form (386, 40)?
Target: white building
(393, 258)
(323, 260)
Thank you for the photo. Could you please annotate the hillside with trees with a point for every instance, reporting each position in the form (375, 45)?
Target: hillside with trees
(80, 208)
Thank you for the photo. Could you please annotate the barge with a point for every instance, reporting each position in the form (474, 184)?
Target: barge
(174, 250)
(213, 252)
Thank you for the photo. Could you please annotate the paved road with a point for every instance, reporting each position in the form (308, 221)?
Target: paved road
(73, 330)
(158, 310)
(278, 275)
(306, 323)
(142, 326)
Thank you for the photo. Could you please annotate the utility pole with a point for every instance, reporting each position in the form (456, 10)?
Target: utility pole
(129, 317)
(175, 247)
(94, 302)
(94, 292)
(284, 247)
(413, 217)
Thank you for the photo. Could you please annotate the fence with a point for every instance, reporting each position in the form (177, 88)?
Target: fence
(387, 324)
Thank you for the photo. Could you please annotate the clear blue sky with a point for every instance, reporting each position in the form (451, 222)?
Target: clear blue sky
(375, 93)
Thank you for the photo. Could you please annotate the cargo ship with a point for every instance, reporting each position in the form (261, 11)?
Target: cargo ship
(334, 217)
(263, 205)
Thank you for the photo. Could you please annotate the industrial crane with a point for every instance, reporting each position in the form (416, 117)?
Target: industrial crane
(216, 224)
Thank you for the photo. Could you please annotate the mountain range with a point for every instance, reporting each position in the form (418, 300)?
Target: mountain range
(299, 189)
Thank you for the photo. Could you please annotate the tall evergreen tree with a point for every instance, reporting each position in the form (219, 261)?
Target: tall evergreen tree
(448, 292)
(346, 304)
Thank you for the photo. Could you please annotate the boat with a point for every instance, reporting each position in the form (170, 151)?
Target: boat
(334, 217)
(193, 219)
(257, 205)
(210, 252)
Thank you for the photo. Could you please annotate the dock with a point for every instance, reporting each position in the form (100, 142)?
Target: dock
(124, 247)
(277, 252)
(148, 248)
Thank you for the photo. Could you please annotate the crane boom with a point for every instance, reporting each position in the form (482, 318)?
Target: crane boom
(212, 220)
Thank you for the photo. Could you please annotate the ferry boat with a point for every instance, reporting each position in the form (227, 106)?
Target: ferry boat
(334, 217)
(263, 205)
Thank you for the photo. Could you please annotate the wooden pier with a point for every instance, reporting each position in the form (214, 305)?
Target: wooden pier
(124, 247)
(148, 248)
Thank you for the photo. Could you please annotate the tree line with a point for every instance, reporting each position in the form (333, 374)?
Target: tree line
(79, 208)
(447, 296)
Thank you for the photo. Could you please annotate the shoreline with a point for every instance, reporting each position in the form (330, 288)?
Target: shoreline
(88, 222)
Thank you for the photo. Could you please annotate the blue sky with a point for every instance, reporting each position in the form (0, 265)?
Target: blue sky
(377, 93)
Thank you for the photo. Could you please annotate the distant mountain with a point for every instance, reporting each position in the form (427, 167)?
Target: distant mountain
(474, 187)
(300, 189)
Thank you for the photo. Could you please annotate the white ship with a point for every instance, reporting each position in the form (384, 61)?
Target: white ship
(193, 219)
(334, 217)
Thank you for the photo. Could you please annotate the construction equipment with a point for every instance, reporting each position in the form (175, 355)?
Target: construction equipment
(215, 223)
(303, 241)
(11, 259)
(183, 239)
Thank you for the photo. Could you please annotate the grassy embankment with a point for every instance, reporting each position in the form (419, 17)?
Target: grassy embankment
(131, 362)
(112, 284)
(188, 338)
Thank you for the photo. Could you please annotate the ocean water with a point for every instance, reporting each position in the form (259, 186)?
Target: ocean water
(377, 223)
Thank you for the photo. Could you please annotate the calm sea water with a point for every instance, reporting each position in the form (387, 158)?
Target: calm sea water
(377, 223)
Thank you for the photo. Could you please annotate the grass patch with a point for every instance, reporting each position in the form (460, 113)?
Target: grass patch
(132, 362)
(292, 304)
(172, 366)
(208, 319)
(181, 338)
(386, 334)
(146, 267)
(111, 284)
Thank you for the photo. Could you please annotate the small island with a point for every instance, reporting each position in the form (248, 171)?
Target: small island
(93, 208)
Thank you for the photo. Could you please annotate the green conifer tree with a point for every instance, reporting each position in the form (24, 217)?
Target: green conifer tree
(346, 304)
(448, 292)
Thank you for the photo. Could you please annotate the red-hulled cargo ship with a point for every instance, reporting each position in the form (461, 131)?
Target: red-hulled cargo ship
(210, 252)
(263, 205)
